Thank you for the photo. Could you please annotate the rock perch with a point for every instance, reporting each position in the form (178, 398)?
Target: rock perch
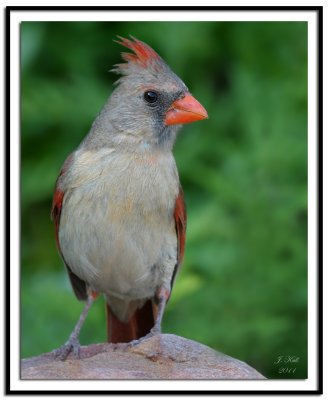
(164, 356)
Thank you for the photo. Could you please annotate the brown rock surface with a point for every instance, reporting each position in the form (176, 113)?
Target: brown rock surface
(163, 356)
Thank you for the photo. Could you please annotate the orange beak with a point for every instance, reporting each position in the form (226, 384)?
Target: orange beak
(184, 111)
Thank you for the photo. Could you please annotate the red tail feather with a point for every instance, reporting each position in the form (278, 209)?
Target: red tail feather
(138, 326)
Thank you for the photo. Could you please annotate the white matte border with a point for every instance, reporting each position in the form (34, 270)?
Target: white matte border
(16, 18)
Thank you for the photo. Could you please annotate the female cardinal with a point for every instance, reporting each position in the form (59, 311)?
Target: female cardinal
(118, 206)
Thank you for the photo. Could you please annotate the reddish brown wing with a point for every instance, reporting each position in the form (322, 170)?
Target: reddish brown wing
(56, 208)
(180, 223)
(78, 285)
(56, 211)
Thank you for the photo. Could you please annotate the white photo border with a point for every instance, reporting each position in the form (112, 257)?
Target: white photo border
(313, 15)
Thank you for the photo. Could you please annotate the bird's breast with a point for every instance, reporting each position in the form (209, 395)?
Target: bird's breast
(118, 224)
(131, 183)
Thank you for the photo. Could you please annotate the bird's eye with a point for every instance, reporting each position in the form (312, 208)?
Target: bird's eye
(150, 97)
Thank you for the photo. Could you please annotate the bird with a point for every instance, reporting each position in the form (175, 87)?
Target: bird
(118, 205)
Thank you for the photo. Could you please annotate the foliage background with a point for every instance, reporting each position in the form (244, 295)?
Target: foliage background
(243, 287)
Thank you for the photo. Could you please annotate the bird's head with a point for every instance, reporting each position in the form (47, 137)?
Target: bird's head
(150, 102)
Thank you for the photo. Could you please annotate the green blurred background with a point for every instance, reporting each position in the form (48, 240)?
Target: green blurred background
(243, 286)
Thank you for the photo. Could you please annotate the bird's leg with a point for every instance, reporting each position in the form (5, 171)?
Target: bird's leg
(73, 345)
(161, 297)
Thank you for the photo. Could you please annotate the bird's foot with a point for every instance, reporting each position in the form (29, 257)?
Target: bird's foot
(71, 346)
(153, 332)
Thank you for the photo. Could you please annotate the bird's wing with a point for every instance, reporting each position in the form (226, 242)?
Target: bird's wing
(78, 285)
(180, 224)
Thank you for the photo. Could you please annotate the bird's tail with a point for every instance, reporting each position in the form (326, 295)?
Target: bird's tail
(139, 325)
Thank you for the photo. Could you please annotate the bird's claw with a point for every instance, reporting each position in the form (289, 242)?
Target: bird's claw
(153, 332)
(71, 346)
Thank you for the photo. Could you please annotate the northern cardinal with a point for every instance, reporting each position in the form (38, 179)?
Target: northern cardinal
(118, 205)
